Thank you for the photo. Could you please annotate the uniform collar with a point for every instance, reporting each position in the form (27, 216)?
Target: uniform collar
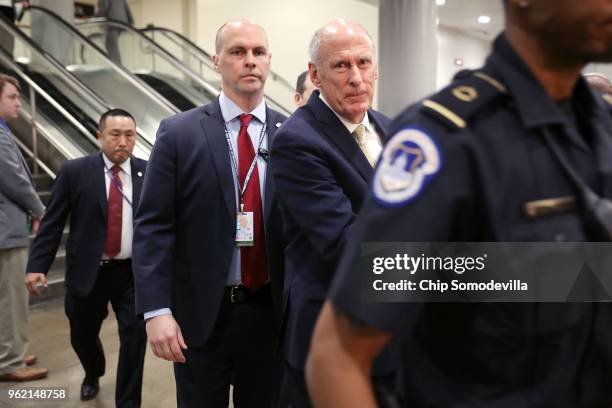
(348, 125)
(535, 107)
(125, 166)
(229, 109)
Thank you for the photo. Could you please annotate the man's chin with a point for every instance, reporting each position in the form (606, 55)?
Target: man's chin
(357, 110)
(251, 88)
(120, 159)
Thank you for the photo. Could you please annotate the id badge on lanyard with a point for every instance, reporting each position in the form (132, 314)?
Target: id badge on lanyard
(245, 233)
(245, 227)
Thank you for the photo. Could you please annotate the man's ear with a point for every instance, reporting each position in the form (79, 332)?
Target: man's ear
(314, 74)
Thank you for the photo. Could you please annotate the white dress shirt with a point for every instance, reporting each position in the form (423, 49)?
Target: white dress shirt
(127, 227)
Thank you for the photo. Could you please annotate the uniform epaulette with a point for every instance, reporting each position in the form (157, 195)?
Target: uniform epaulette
(468, 93)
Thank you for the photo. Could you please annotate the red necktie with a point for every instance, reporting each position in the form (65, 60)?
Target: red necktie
(252, 259)
(112, 244)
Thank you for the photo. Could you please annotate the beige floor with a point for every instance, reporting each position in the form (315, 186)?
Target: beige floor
(49, 340)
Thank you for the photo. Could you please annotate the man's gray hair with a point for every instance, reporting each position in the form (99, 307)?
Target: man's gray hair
(315, 43)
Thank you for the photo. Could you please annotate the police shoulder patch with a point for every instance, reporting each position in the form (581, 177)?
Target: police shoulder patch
(408, 163)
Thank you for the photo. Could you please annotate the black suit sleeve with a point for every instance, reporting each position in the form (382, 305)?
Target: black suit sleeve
(310, 194)
(44, 247)
(154, 228)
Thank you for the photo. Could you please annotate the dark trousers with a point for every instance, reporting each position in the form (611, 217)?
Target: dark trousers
(295, 383)
(240, 351)
(114, 284)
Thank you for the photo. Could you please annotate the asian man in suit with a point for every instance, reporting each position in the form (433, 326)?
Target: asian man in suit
(203, 284)
(322, 160)
(99, 192)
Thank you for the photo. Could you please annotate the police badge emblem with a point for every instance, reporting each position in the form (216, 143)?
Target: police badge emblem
(408, 163)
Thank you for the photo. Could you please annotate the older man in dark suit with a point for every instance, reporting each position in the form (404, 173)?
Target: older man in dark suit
(322, 162)
(99, 192)
(206, 245)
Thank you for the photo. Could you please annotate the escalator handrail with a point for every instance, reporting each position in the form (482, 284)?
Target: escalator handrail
(161, 50)
(193, 49)
(152, 27)
(208, 58)
(31, 83)
(150, 92)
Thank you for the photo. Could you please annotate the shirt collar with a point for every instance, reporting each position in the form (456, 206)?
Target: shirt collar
(125, 166)
(230, 110)
(348, 125)
(3, 123)
(534, 105)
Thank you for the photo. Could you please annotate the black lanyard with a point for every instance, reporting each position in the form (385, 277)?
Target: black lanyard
(242, 189)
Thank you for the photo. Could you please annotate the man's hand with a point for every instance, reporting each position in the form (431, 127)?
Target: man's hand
(32, 279)
(35, 224)
(165, 338)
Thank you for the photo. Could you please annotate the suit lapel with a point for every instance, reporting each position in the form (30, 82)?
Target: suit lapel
(273, 123)
(339, 136)
(214, 132)
(380, 128)
(136, 182)
(98, 174)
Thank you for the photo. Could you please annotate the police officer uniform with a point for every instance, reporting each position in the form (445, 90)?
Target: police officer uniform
(476, 166)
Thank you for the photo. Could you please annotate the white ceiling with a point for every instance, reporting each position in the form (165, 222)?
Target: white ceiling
(463, 15)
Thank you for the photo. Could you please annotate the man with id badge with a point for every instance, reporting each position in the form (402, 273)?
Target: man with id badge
(99, 192)
(207, 243)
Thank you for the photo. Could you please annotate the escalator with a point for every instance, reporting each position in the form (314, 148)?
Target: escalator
(66, 110)
(279, 92)
(171, 73)
(107, 82)
(149, 62)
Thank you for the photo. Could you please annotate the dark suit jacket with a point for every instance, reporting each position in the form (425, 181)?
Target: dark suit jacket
(321, 178)
(79, 191)
(186, 221)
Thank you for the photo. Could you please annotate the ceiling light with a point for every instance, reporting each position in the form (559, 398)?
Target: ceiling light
(440, 2)
(484, 19)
